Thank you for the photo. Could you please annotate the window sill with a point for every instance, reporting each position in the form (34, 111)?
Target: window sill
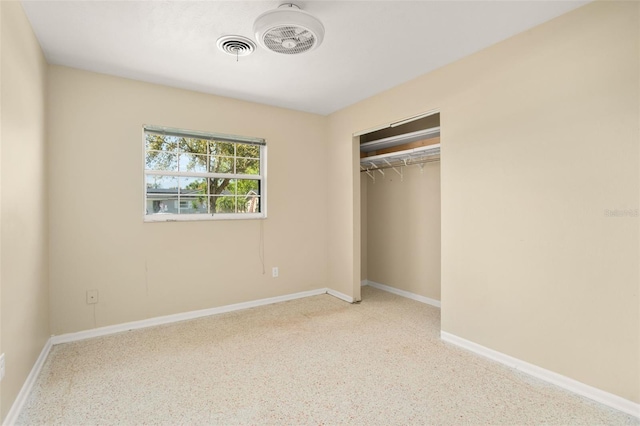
(201, 217)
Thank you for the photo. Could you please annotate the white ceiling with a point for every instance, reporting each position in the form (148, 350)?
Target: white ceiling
(369, 46)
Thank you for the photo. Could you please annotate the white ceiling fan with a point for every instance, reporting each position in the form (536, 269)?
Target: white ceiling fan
(288, 30)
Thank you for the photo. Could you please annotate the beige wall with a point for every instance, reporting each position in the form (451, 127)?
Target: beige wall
(23, 226)
(539, 137)
(403, 229)
(143, 270)
(343, 186)
(363, 227)
(1, 347)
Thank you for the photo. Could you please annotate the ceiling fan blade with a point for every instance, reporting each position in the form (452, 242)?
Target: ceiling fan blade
(273, 38)
(304, 34)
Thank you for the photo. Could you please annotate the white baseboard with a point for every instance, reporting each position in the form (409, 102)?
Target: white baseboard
(167, 319)
(559, 380)
(403, 293)
(364, 283)
(339, 295)
(25, 391)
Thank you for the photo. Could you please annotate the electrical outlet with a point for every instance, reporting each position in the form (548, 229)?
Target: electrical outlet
(274, 272)
(1, 366)
(92, 297)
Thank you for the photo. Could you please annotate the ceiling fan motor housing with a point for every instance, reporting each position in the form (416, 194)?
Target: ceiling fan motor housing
(288, 30)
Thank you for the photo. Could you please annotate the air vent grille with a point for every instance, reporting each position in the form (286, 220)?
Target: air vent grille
(289, 39)
(236, 45)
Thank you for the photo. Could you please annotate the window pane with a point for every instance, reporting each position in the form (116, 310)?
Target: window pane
(160, 143)
(248, 187)
(231, 188)
(221, 165)
(225, 204)
(193, 186)
(193, 163)
(161, 160)
(162, 184)
(249, 204)
(222, 148)
(222, 186)
(194, 146)
(245, 166)
(162, 195)
(251, 151)
(193, 205)
(166, 204)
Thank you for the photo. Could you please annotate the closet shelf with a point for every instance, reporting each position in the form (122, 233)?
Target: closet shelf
(405, 138)
(399, 158)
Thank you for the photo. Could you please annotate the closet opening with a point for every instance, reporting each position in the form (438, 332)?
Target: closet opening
(400, 208)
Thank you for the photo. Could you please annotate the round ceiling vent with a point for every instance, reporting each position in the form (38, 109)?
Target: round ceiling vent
(288, 30)
(236, 45)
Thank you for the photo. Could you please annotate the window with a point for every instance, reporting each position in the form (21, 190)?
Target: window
(193, 175)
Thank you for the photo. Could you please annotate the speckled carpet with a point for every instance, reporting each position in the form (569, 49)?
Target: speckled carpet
(310, 361)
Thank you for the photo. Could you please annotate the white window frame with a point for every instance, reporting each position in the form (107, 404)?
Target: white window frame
(172, 217)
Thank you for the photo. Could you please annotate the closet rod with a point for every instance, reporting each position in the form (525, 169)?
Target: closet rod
(399, 164)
